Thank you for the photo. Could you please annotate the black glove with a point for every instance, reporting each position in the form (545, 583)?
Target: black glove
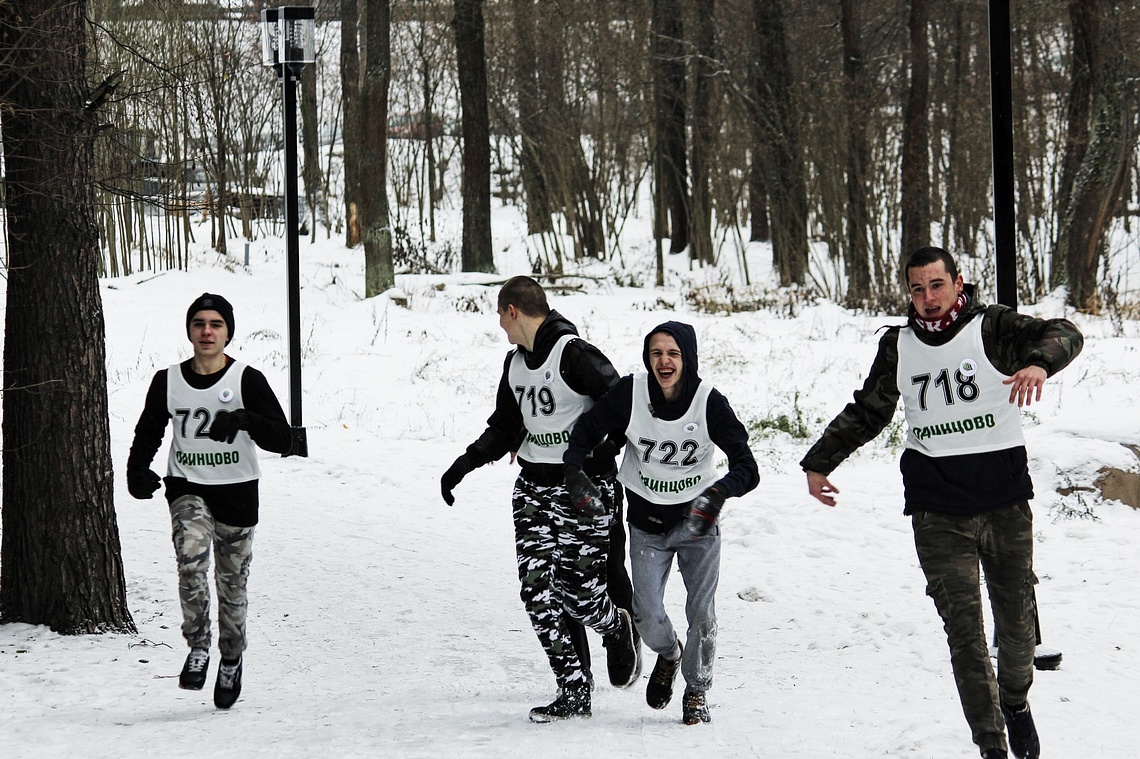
(141, 483)
(226, 425)
(453, 476)
(703, 512)
(584, 494)
(601, 460)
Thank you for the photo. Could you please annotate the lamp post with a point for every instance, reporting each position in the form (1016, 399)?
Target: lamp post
(288, 44)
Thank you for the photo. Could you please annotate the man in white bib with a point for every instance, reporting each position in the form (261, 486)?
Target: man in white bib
(963, 371)
(571, 553)
(220, 412)
(672, 421)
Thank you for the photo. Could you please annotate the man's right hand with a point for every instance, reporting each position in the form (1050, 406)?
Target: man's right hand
(584, 494)
(821, 489)
(141, 483)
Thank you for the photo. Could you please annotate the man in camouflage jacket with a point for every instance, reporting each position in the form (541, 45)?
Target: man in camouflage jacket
(965, 474)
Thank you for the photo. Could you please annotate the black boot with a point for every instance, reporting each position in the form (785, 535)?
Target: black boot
(995, 753)
(573, 701)
(623, 652)
(1022, 732)
(694, 708)
(659, 692)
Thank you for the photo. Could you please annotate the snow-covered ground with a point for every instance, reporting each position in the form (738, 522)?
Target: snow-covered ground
(384, 623)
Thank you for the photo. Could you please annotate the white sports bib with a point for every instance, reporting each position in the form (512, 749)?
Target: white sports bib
(667, 462)
(548, 405)
(953, 396)
(193, 455)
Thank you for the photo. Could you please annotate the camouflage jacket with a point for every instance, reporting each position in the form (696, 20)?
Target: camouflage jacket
(961, 484)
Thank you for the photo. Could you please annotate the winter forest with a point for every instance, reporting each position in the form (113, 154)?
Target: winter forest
(783, 152)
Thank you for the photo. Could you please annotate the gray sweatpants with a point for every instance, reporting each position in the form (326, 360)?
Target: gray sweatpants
(698, 559)
(195, 531)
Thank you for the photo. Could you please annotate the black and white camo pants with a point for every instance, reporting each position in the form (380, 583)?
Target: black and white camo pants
(195, 532)
(562, 556)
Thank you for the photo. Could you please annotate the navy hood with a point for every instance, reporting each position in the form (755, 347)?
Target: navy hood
(686, 338)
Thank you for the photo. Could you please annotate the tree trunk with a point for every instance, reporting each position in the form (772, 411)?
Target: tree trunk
(704, 131)
(477, 254)
(310, 143)
(538, 205)
(775, 114)
(60, 557)
(350, 97)
(916, 138)
(1101, 179)
(858, 256)
(1083, 22)
(670, 162)
(375, 224)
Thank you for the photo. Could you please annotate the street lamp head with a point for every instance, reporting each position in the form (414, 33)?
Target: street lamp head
(288, 36)
(269, 32)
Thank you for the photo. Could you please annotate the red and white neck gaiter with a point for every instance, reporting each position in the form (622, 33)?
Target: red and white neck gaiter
(951, 316)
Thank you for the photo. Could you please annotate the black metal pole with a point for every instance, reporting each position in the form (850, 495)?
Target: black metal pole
(289, 77)
(1001, 113)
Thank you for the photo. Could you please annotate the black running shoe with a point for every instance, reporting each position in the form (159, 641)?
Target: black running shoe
(193, 675)
(1022, 732)
(572, 702)
(659, 692)
(228, 686)
(623, 652)
(994, 753)
(694, 708)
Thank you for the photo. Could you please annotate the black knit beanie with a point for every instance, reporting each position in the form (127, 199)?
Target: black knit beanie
(210, 302)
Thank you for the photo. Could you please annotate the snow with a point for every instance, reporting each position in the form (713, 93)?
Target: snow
(384, 623)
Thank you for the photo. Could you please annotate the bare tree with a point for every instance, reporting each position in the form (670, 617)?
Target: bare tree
(916, 137)
(705, 69)
(477, 254)
(1101, 179)
(776, 115)
(350, 98)
(376, 226)
(858, 156)
(671, 169)
(60, 556)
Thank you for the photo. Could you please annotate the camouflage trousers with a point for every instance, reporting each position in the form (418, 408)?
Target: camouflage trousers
(195, 532)
(562, 555)
(950, 550)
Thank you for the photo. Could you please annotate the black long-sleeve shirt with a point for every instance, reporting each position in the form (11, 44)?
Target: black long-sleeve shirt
(611, 415)
(234, 504)
(584, 368)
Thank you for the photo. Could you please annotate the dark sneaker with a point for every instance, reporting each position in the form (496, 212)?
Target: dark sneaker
(1022, 732)
(572, 702)
(995, 753)
(659, 692)
(623, 652)
(694, 708)
(193, 675)
(228, 687)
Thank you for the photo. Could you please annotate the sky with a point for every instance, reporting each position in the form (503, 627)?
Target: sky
(385, 623)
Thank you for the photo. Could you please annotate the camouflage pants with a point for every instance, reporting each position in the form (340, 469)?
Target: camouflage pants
(950, 549)
(562, 556)
(195, 531)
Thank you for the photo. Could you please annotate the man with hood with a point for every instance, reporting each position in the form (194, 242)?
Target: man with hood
(960, 367)
(220, 411)
(571, 555)
(671, 420)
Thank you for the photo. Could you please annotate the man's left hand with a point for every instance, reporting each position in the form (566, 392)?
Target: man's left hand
(1026, 384)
